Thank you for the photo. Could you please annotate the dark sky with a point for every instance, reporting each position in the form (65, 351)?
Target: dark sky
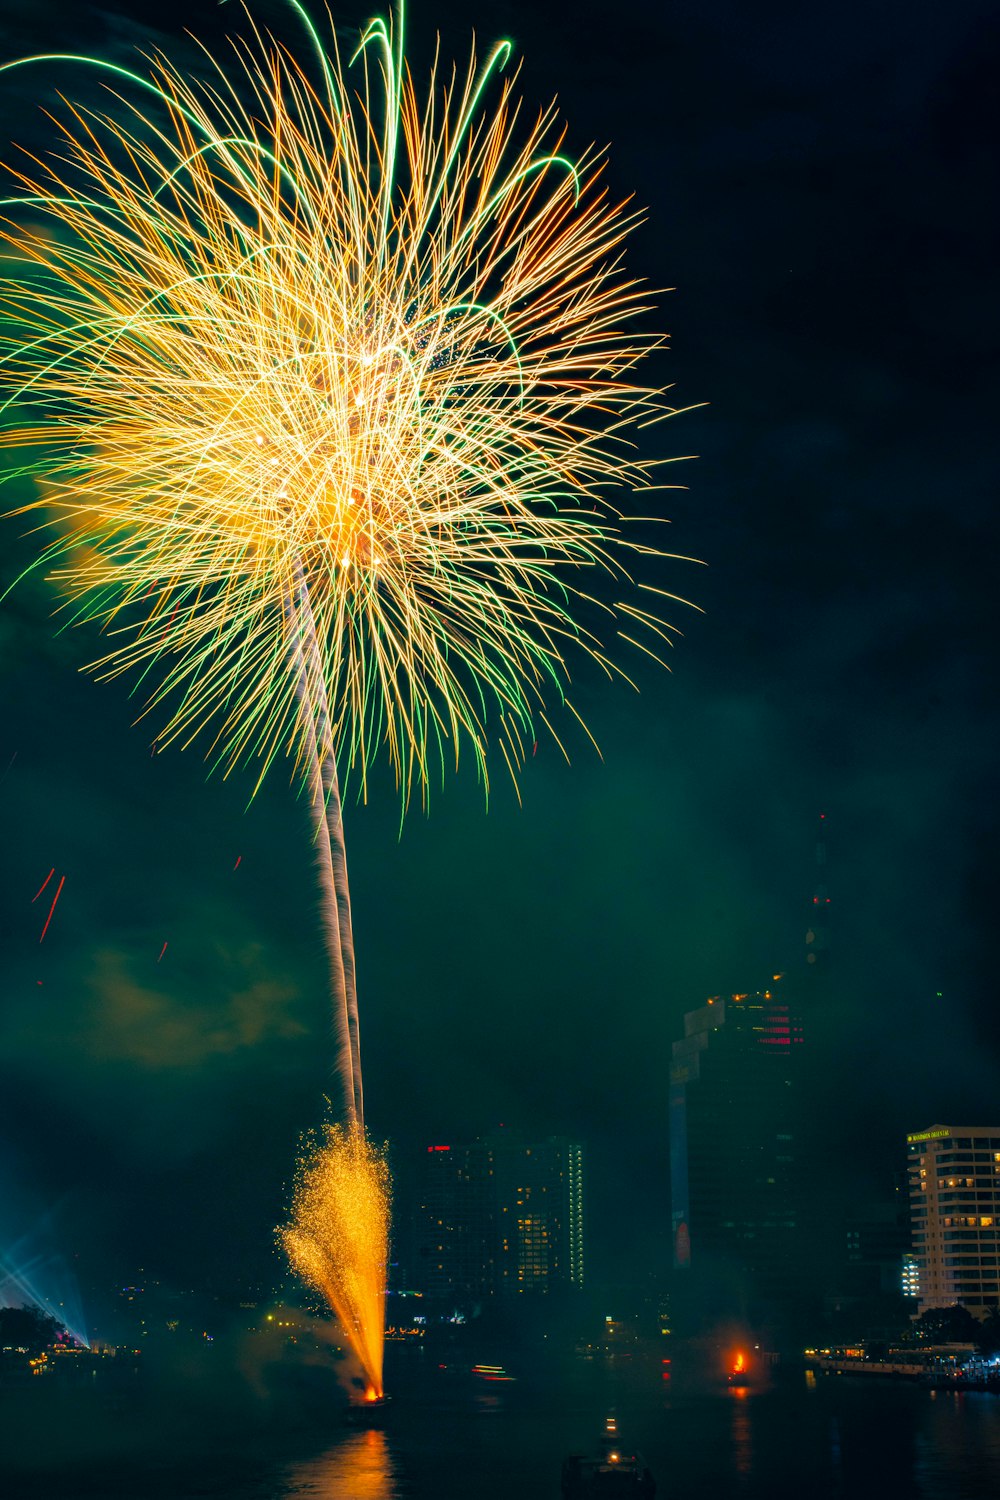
(821, 194)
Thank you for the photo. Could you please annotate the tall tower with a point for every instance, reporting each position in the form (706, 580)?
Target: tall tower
(733, 1146)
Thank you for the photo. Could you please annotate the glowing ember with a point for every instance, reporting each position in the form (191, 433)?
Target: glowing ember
(338, 1240)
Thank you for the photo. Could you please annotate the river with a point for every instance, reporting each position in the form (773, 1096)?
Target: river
(827, 1439)
(805, 1438)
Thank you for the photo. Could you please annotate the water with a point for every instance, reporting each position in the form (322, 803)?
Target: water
(806, 1438)
(831, 1439)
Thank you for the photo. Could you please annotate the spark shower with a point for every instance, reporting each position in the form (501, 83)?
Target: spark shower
(325, 381)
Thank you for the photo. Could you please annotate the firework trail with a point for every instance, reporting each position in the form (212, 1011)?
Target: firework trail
(332, 383)
(324, 796)
(55, 898)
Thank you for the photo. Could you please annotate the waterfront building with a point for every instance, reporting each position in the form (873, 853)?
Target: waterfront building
(539, 1198)
(954, 1183)
(733, 1167)
(499, 1217)
(455, 1255)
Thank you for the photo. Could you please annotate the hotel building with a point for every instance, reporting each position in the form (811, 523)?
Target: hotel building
(954, 1182)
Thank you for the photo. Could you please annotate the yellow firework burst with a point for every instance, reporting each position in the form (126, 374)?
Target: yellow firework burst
(307, 354)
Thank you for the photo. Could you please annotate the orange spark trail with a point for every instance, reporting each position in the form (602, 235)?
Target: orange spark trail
(162, 951)
(43, 884)
(55, 898)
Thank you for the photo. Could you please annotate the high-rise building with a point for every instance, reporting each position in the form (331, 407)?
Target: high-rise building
(954, 1177)
(733, 1165)
(455, 1253)
(539, 1203)
(499, 1217)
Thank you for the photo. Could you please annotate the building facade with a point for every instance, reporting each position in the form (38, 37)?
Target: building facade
(499, 1218)
(954, 1183)
(455, 1259)
(733, 1161)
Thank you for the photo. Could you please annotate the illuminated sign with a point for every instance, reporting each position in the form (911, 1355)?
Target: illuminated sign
(926, 1135)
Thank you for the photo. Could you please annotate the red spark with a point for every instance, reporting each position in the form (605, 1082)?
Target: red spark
(55, 898)
(43, 884)
(162, 951)
(237, 864)
(170, 621)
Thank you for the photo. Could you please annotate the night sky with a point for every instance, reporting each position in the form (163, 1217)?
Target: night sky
(821, 195)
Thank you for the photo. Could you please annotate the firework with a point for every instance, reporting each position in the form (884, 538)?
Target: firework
(338, 1240)
(332, 381)
(363, 343)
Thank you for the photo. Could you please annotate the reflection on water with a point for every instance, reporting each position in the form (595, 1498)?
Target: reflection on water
(959, 1444)
(359, 1468)
(826, 1440)
(742, 1435)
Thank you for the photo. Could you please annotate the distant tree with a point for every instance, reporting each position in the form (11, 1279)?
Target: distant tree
(27, 1328)
(948, 1325)
(989, 1330)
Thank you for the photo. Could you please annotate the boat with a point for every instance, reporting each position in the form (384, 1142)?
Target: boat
(615, 1473)
(369, 1413)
